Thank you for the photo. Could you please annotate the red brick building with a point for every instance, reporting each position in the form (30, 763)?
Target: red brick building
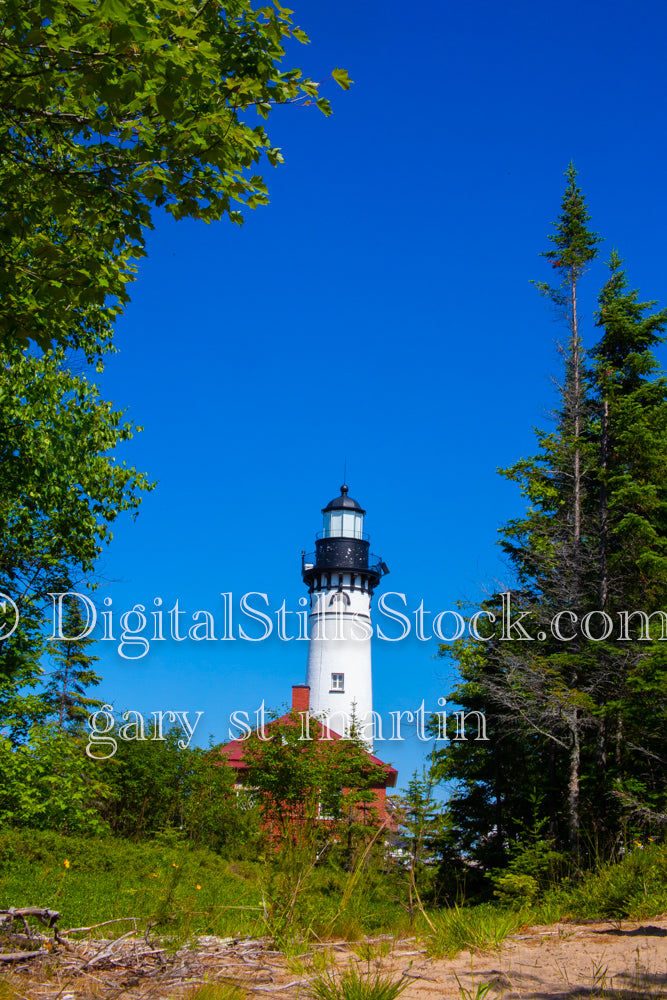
(233, 753)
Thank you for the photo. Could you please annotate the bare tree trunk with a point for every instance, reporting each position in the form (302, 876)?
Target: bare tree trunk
(63, 696)
(575, 752)
(576, 431)
(604, 449)
(573, 785)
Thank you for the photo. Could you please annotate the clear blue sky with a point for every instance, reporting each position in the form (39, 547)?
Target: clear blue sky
(379, 310)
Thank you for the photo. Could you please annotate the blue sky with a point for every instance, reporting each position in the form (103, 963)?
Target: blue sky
(379, 311)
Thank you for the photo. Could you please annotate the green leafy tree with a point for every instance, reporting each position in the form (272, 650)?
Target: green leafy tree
(298, 781)
(110, 109)
(533, 863)
(48, 783)
(631, 396)
(487, 806)
(157, 786)
(574, 247)
(60, 491)
(553, 549)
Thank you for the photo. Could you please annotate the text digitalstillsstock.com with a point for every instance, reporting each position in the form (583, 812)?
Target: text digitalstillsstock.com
(103, 735)
(134, 630)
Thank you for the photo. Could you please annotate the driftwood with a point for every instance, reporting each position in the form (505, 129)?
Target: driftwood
(45, 916)
(19, 956)
(123, 966)
(48, 918)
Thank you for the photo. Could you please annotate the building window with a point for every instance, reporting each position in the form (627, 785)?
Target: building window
(322, 813)
(338, 682)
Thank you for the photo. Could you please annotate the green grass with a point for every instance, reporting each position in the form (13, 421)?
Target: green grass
(185, 890)
(218, 991)
(181, 890)
(474, 928)
(354, 985)
(635, 889)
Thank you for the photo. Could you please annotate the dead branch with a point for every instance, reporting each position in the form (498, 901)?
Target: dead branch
(94, 927)
(44, 915)
(106, 951)
(285, 986)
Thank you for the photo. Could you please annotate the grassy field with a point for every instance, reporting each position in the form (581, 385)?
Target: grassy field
(183, 892)
(175, 887)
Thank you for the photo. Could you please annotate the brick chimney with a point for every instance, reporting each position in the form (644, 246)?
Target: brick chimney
(300, 698)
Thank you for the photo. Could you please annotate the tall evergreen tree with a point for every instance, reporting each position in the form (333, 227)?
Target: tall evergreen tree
(569, 720)
(631, 400)
(551, 548)
(66, 694)
(631, 397)
(574, 247)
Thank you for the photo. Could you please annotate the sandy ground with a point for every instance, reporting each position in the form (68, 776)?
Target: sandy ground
(623, 961)
(561, 962)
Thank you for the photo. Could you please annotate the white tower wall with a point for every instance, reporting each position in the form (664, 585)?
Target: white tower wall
(338, 671)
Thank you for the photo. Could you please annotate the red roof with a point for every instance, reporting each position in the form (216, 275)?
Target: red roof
(234, 751)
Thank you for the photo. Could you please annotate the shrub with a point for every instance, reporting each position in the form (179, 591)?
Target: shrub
(634, 888)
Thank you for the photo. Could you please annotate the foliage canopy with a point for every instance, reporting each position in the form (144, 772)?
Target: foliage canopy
(110, 109)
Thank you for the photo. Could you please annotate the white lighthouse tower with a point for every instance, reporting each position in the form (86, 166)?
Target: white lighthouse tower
(341, 576)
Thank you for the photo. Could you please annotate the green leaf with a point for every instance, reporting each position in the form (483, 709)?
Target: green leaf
(113, 9)
(342, 79)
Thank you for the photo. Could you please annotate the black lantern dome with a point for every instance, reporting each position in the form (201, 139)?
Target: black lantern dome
(343, 502)
(342, 548)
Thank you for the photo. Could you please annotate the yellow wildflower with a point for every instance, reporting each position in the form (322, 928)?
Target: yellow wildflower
(199, 887)
(66, 863)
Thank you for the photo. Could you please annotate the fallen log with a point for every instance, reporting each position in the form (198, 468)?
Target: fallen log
(19, 956)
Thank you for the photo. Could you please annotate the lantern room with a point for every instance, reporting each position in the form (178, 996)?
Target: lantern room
(343, 517)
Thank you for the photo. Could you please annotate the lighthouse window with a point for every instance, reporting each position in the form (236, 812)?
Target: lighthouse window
(343, 524)
(335, 524)
(351, 525)
(338, 682)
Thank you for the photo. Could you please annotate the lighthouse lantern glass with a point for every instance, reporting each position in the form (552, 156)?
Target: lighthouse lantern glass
(343, 524)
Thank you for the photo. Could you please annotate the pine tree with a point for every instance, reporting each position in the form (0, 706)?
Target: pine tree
(421, 825)
(551, 549)
(574, 247)
(593, 538)
(66, 692)
(631, 399)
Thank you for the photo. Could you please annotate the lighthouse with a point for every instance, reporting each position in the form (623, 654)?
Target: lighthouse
(341, 576)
